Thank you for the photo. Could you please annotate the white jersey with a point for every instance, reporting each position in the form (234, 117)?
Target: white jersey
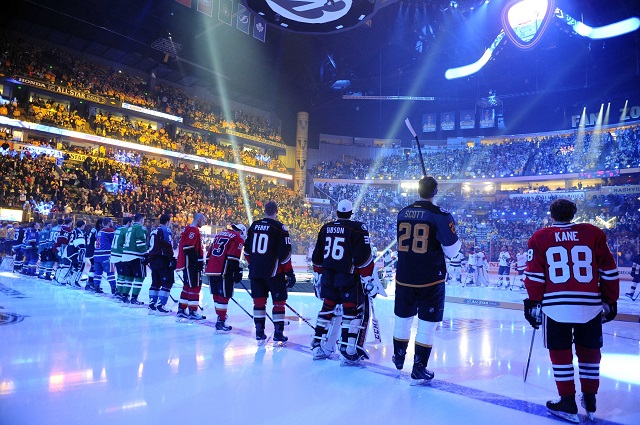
(521, 261)
(481, 259)
(504, 259)
(456, 260)
(473, 259)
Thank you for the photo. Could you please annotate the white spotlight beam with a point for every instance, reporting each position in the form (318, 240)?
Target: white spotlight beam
(466, 70)
(616, 29)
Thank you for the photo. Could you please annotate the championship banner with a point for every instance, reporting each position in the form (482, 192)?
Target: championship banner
(467, 120)
(243, 19)
(185, 2)
(224, 11)
(206, 7)
(45, 85)
(302, 145)
(447, 121)
(428, 123)
(259, 28)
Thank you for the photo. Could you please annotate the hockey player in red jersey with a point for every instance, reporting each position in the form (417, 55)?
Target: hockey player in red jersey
(343, 267)
(223, 269)
(572, 278)
(426, 233)
(268, 251)
(191, 263)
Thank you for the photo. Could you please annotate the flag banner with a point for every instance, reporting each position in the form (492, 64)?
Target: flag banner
(428, 123)
(467, 119)
(447, 121)
(259, 28)
(488, 119)
(243, 19)
(224, 11)
(185, 2)
(206, 7)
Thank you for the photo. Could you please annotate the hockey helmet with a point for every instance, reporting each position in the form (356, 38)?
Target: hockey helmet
(240, 228)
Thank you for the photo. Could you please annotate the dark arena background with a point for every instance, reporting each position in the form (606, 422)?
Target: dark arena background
(110, 109)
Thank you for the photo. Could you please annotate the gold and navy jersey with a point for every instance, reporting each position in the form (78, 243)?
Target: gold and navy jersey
(343, 246)
(425, 234)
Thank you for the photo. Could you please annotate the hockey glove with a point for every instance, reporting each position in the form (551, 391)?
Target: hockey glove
(317, 278)
(609, 311)
(533, 313)
(237, 276)
(369, 286)
(291, 279)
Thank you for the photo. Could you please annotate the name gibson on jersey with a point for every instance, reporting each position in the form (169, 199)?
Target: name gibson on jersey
(339, 230)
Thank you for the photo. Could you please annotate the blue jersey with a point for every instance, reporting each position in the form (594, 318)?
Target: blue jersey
(44, 241)
(102, 246)
(30, 238)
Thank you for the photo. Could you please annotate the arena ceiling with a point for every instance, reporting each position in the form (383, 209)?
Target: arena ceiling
(399, 48)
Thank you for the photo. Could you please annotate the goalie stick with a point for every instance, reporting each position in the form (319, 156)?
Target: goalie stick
(300, 316)
(374, 322)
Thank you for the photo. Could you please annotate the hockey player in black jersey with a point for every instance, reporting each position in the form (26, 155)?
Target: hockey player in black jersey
(426, 233)
(268, 252)
(343, 267)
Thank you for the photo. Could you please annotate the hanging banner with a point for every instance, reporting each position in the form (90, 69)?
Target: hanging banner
(259, 28)
(302, 144)
(224, 11)
(243, 19)
(206, 7)
(467, 119)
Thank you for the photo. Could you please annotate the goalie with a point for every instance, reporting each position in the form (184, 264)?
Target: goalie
(342, 269)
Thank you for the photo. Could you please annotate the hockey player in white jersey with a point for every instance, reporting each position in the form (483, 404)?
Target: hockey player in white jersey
(521, 265)
(482, 268)
(454, 275)
(504, 268)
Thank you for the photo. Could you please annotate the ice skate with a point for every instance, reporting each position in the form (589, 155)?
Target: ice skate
(194, 316)
(420, 375)
(319, 353)
(222, 327)
(125, 300)
(278, 336)
(261, 337)
(182, 316)
(161, 310)
(588, 401)
(565, 408)
(134, 303)
(151, 311)
(398, 359)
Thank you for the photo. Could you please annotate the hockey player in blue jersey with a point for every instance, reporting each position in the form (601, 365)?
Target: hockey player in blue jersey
(101, 255)
(30, 246)
(44, 250)
(426, 233)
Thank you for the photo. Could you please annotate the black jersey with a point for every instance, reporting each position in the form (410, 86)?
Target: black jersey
(344, 247)
(423, 231)
(267, 249)
(91, 243)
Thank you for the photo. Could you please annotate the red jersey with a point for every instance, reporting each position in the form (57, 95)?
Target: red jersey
(572, 271)
(223, 257)
(63, 237)
(190, 248)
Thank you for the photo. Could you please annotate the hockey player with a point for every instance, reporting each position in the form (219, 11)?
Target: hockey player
(101, 255)
(504, 267)
(60, 249)
(572, 278)
(191, 263)
(456, 267)
(472, 268)
(91, 246)
(635, 277)
(426, 233)
(268, 252)
(162, 264)
(134, 252)
(521, 264)
(76, 251)
(18, 248)
(44, 250)
(343, 264)
(117, 247)
(223, 268)
(481, 274)
(30, 247)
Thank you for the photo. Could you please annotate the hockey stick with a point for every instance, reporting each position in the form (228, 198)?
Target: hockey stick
(300, 316)
(249, 292)
(242, 308)
(413, 132)
(526, 369)
(374, 322)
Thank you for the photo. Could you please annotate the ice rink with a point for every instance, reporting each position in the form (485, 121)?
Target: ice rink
(70, 357)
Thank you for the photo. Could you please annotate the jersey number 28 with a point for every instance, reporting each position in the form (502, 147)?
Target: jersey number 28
(414, 238)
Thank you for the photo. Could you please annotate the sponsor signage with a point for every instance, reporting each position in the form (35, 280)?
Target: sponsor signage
(45, 85)
(10, 215)
(619, 190)
(626, 113)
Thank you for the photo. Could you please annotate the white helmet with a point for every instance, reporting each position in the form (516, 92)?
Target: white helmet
(240, 228)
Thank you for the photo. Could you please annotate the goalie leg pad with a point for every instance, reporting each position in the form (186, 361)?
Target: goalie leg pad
(354, 332)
